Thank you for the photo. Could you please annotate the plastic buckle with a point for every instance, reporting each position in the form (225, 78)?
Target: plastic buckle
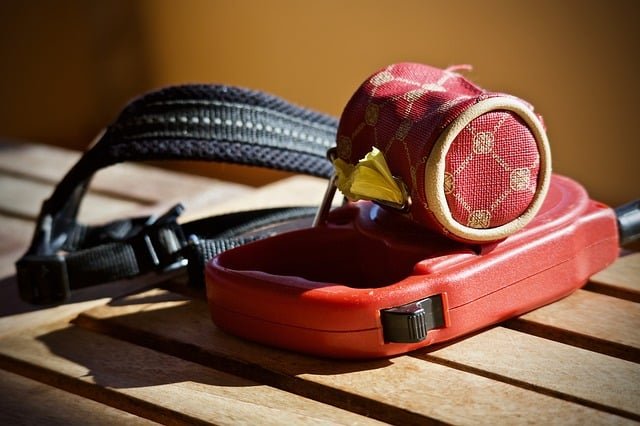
(159, 245)
(145, 252)
(43, 280)
(158, 249)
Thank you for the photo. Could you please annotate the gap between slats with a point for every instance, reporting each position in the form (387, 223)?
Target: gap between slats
(613, 291)
(255, 372)
(105, 396)
(127, 181)
(621, 280)
(194, 353)
(534, 363)
(146, 326)
(587, 320)
(23, 198)
(575, 339)
(534, 388)
(107, 192)
(152, 384)
(26, 401)
(29, 172)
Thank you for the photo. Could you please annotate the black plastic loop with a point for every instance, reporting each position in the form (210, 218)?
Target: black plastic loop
(43, 280)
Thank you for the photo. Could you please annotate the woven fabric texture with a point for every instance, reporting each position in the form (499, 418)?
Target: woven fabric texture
(491, 170)
(492, 165)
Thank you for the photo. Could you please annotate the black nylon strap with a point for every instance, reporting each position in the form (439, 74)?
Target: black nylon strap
(212, 123)
(218, 234)
(193, 122)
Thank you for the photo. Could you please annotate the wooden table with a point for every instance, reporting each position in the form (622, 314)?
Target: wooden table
(143, 351)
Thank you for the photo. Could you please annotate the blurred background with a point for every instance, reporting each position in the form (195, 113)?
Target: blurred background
(69, 66)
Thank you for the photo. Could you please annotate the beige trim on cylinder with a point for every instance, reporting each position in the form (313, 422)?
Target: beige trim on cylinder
(435, 169)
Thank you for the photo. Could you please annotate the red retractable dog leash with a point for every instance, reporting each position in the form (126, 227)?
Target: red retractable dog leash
(463, 227)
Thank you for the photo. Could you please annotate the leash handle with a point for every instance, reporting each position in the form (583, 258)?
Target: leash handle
(207, 123)
(189, 122)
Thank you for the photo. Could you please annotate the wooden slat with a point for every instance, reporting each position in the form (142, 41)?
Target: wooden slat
(31, 172)
(596, 380)
(590, 320)
(400, 390)
(622, 279)
(25, 401)
(15, 236)
(24, 198)
(574, 361)
(293, 191)
(154, 385)
(14, 231)
(44, 162)
(133, 181)
(17, 316)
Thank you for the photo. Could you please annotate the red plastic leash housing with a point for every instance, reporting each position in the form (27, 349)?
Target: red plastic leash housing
(321, 290)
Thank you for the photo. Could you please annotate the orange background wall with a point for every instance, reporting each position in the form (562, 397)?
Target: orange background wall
(68, 66)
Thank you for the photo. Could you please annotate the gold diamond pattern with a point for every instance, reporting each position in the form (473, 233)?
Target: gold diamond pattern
(414, 95)
(519, 179)
(381, 78)
(483, 142)
(449, 183)
(344, 147)
(372, 112)
(404, 128)
(479, 219)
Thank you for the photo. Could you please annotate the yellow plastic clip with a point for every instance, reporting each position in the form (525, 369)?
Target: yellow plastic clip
(370, 179)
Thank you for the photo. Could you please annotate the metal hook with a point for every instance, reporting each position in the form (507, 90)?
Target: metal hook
(325, 206)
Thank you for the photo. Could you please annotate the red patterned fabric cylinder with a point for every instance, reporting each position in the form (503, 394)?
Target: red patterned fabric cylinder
(476, 164)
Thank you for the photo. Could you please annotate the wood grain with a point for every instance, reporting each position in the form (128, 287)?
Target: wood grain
(157, 356)
(25, 401)
(23, 198)
(140, 182)
(622, 279)
(154, 385)
(400, 390)
(35, 161)
(16, 316)
(15, 236)
(589, 320)
(28, 174)
(590, 378)
(34, 170)
(294, 191)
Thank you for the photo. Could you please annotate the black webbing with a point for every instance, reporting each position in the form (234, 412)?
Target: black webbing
(209, 123)
(193, 122)
(218, 234)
